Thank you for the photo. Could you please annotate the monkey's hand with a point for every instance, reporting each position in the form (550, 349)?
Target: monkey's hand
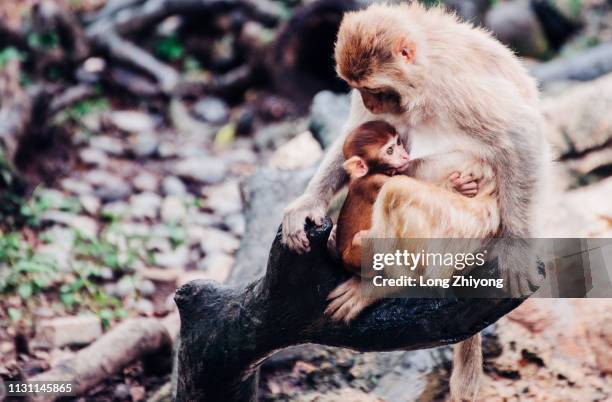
(347, 301)
(294, 219)
(466, 184)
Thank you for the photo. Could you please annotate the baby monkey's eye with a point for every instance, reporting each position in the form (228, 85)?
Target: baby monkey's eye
(398, 141)
(390, 151)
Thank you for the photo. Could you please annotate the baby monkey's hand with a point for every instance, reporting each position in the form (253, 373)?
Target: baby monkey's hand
(359, 236)
(465, 184)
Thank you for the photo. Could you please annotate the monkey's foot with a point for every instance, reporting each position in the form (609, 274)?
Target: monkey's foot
(347, 301)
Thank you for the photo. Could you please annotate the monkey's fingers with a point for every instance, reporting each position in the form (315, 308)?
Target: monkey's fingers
(454, 176)
(357, 308)
(340, 290)
(336, 304)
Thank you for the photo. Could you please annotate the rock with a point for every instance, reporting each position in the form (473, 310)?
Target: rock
(94, 157)
(515, 24)
(124, 288)
(167, 149)
(131, 121)
(161, 275)
(215, 241)
(173, 209)
(172, 185)
(143, 144)
(211, 110)
(64, 331)
(273, 135)
(85, 225)
(299, 152)
(145, 205)
(218, 266)
(90, 204)
(145, 181)
(236, 224)
(116, 209)
(205, 169)
(145, 307)
(173, 259)
(205, 219)
(240, 155)
(122, 392)
(328, 113)
(146, 287)
(224, 198)
(109, 145)
(579, 118)
(76, 186)
(109, 187)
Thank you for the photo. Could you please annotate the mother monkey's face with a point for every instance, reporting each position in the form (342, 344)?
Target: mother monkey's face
(377, 57)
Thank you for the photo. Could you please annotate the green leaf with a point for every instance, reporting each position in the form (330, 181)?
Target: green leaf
(14, 314)
(25, 290)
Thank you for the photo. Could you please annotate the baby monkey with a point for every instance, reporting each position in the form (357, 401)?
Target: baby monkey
(373, 153)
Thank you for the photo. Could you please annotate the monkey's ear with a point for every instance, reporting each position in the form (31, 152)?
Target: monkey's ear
(407, 50)
(355, 167)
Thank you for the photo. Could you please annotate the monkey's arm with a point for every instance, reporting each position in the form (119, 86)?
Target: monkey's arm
(329, 178)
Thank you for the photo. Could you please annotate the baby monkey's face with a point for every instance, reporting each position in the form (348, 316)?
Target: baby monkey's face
(393, 154)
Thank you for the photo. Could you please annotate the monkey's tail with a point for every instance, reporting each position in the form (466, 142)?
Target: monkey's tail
(467, 370)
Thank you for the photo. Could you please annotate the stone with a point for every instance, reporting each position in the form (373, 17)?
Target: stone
(116, 209)
(328, 113)
(108, 186)
(172, 259)
(85, 225)
(173, 209)
(90, 204)
(94, 157)
(107, 144)
(211, 110)
(145, 307)
(215, 241)
(515, 24)
(273, 135)
(131, 121)
(299, 152)
(217, 266)
(224, 198)
(125, 287)
(65, 331)
(172, 185)
(145, 205)
(146, 287)
(143, 144)
(161, 275)
(206, 169)
(122, 392)
(236, 224)
(145, 181)
(76, 186)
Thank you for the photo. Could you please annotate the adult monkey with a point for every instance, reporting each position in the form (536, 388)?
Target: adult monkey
(446, 86)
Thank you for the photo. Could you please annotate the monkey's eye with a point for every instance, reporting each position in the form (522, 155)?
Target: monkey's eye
(390, 151)
(399, 142)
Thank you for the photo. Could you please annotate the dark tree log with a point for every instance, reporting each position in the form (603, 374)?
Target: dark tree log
(300, 61)
(227, 332)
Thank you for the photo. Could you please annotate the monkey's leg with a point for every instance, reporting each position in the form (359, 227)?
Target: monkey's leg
(467, 369)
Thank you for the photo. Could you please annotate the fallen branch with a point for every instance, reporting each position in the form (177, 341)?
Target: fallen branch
(128, 342)
(15, 110)
(227, 332)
